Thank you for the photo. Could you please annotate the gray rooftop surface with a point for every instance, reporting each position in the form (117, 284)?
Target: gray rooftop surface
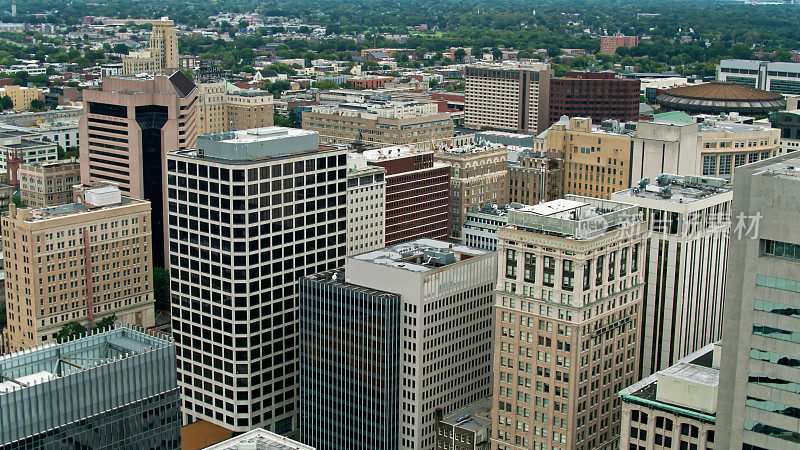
(471, 417)
(414, 256)
(683, 189)
(259, 439)
(788, 169)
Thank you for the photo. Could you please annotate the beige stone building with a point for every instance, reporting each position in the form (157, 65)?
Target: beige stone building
(507, 96)
(366, 206)
(725, 146)
(410, 123)
(675, 407)
(126, 130)
(48, 183)
(224, 107)
(536, 177)
(596, 160)
(567, 322)
(478, 178)
(77, 262)
(162, 53)
(21, 95)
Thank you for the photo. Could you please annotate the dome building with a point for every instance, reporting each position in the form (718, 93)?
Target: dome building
(715, 98)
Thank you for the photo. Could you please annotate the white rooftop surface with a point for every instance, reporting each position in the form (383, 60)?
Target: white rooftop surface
(27, 380)
(397, 255)
(387, 152)
(693, 373)
(259, 439)
(553, 207)
(265, 134)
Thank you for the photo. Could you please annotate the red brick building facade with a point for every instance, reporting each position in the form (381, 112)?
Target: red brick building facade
(417, 197)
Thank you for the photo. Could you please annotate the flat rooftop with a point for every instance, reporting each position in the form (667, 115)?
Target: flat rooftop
(682, 188)
(337, 277)
(255, 144)
(421, 255)
(695, 368)
(260, 439)
(52, 212)
(471, 417)
(574, 217)
(27, 368)
(788, 169)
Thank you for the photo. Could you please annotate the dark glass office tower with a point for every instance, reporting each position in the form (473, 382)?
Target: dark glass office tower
(350, 371)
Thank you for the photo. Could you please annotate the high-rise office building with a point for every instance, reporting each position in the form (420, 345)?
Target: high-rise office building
(397, 339)
(417, 193)
(161, 54)
(507, 96)
(598, 95)
(104, 390)
(568, 316)
(366, 206)
(688, 219)
(250, 212)
(478, 178)
(596, 159)
(758, 394)
(126, 130)
(48, 183)
(80, 261)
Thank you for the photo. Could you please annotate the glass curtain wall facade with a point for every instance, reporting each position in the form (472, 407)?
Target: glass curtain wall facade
(350, 352)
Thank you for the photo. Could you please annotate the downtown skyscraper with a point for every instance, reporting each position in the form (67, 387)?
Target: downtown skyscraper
(250, 212)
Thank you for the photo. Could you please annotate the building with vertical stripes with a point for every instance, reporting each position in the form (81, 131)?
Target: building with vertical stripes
(115, 389)
(759, 386)
(688, 221)
(399, 338)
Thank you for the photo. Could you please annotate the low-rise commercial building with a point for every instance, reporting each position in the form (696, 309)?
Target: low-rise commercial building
(468, 428)
(780, 77)
(22, 147)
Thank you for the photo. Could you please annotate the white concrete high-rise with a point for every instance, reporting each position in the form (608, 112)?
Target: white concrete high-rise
(688, 219)
(250, 212)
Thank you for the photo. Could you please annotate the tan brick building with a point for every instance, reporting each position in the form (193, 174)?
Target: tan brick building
(224, 107)
(478, 178)
(567, 325)
(48, 183)
(536, 177)
(597, 160)
(161, 54)
(21, 95)
(77, 262)
(507, 96)
(414, 124)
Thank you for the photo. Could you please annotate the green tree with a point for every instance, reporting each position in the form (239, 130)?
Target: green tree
(459, 54)
(17, 201)
(72, 152)
(69, 330)
(106, 323)
(326, 85)
(161, 286)
(6, 102)
(36, 105)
